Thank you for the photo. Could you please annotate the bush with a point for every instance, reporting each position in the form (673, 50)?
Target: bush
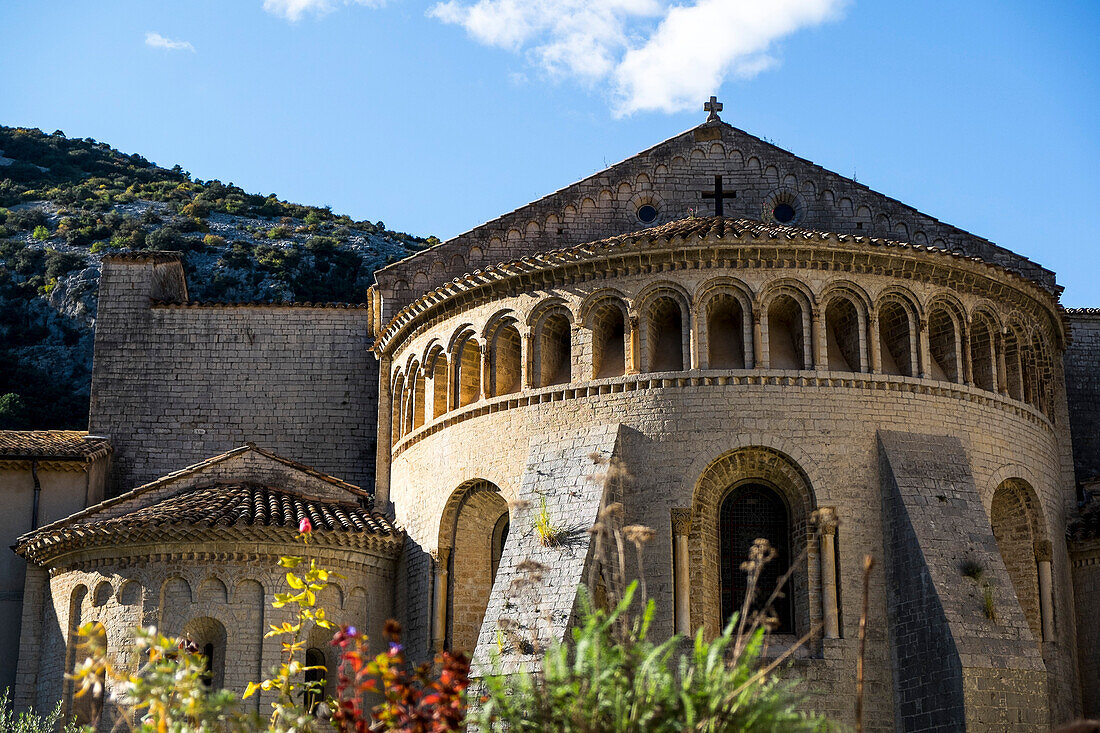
(12, 411)
(31, 721)
(41, 233)
(213, 240)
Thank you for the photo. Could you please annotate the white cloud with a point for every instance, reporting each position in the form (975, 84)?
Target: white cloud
(293, 10)
(156, 40)
(655, 54)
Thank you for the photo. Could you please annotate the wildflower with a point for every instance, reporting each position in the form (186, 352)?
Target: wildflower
(305, 526)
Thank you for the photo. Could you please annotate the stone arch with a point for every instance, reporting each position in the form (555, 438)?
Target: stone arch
(465, 360)
(736, 157)
(748, 465)
(604, 313)
(901, 231)
(248, 592)
(787, 309)
(129, 593)
(983, 350)
(466, 533)
(417, 396)
(723, 318)
(664, 313)
(435, 363)
(946, 338)
(208, 634)
(1014, 345)
(552, 344)
(882, 225)
(213, 590)
(72, 640)
(863, 219)
(845, 326)
(504, 348)
(1016, 519)
(897, 316)
(1041, 371)
(103, 593)
(88, 708)
(397, 402)
(176, 600)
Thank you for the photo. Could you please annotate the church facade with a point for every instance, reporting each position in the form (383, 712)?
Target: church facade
(723, 339)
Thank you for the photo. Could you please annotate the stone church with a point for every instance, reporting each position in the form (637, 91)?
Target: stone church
(728, 340)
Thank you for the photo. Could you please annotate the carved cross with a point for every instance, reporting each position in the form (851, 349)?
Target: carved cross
(718, 195)
(714, 107)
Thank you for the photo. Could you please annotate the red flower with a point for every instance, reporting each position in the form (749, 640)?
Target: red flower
(304, 526)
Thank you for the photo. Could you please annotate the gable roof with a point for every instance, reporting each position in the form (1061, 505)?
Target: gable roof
(670, 175)
(71, 445)
(125, 502)
(207, 512)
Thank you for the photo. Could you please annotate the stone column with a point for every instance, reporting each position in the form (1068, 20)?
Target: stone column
(963, 357)
(820, 344)
(1043, 555)
(486, 372)
(441, 559)
(384, 436)
(919, 356)
(527, 362)
(681, 528)
(827, 523)
(634, 352)
(758, 358)
(1002, 373)
(876, 346)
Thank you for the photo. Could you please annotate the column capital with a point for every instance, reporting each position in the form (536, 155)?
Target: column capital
(826, 519)
(681, 522)
(1044, 550)
(441, 556)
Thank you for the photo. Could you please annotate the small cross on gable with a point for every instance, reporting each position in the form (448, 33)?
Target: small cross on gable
(714, 107)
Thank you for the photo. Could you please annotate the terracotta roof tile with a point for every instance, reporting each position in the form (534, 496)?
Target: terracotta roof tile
(51, 444)
(215, 509)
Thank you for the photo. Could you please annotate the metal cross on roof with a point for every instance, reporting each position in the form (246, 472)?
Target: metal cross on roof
(714, 107)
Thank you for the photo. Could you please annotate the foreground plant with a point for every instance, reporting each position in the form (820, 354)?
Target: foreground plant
(31, 721)
(419, 699)
(604, 683)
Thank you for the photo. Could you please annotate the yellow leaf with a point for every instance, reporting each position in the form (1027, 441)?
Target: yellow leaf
(294, 581)
(251, 689)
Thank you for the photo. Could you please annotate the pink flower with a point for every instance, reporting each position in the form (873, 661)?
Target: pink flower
(304, 526)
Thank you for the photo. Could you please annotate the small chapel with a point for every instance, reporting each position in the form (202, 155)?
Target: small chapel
(724, 339)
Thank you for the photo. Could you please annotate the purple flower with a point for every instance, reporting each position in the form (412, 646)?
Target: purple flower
(395, 648)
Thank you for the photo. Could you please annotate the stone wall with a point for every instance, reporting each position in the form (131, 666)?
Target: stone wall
(672, 177)
(174, 383)
(958, 663)
(183, 590)
(1086, 589)
(1082, 364)
(690, 434)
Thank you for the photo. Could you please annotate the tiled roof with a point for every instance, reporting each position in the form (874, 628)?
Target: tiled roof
(694, 230)
(208, 510)
(259, 304)
(51, 444)
(154, 256)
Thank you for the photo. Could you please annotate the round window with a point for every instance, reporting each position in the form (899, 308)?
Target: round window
(647, 213)
(783, 213)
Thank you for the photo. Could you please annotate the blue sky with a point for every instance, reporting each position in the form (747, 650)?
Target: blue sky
(435, 117)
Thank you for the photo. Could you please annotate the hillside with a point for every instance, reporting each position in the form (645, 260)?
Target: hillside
(66, 202)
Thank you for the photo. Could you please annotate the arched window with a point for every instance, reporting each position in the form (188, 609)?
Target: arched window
(786, 345)
(665, 335)
(1014, 382)
(608, 340)
(1013, 521)
(553, 357)
(504, 360)
(397, 414)
(467, 366)
(943, 346)
(88, 708)
(439, 384)
(749, 512)
(314, 690)
(209, 636)
(725, 333)
(418, 400)
(895, 336)
(208, 662)
(983, 357)
(842, 335)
